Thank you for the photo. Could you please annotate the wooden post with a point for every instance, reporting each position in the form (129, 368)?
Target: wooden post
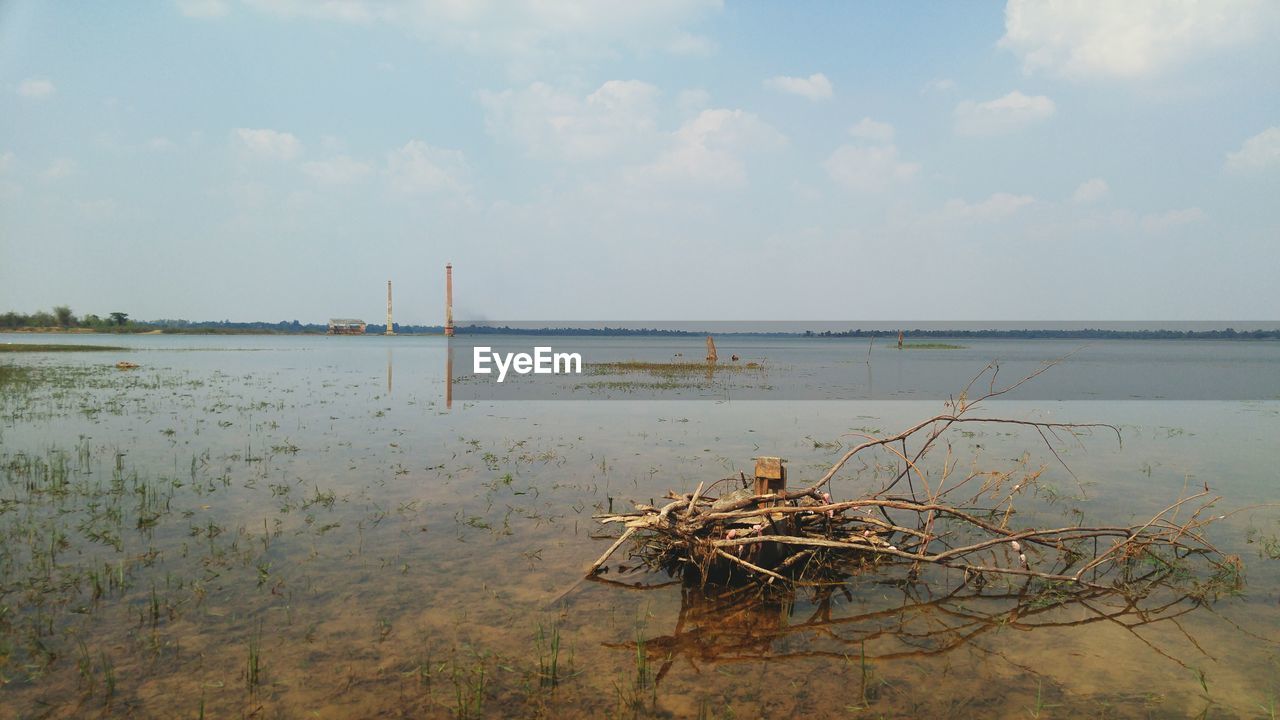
(711, 350)
(771, 475)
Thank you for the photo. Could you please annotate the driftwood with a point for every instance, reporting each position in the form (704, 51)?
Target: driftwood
(920, 518)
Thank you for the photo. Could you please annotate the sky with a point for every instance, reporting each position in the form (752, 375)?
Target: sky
(665, 160)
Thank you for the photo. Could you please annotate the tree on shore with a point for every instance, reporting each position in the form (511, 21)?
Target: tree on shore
(63, 316)
(119, 318)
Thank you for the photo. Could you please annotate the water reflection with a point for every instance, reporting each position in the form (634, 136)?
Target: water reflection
(894, 619)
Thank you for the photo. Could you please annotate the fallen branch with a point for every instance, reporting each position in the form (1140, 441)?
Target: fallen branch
(743, 534)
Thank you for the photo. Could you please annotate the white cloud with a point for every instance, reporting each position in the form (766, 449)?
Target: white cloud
(814, 87)
(521, 28)
(1130, 38)
(203, 9)
(339, 170)
(729, 129)
(997, 207)
(693, 100)
(868, 168)
(160, 144)
(869, 129)
(268, 143)
(805, 192)
(1172, 219)
(250, 194)
(420, 169)
(690, 44)
(37, 88)
(97, 210)
(938, 86)
(708, 150)
(352, 11)
(1004, 114)
(873, 166)
(1258, 152)
(1091, 191)
(6, 161)
(554, 123)
(59, 169)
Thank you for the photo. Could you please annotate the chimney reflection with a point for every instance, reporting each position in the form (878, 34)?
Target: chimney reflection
(448, 375)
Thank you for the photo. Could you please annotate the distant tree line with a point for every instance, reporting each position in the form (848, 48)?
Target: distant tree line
(62, 317)
(571, 331)
(214, 327)
(1078, 334)
(1029, 334)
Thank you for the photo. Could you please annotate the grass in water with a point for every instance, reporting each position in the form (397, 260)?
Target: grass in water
(667, 369)
(548, 645)
(253, 666)
(931, 346)
(14, 375)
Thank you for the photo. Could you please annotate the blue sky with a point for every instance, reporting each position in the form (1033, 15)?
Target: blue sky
(674, 159)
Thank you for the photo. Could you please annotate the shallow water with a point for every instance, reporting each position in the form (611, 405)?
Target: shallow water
(299, 527)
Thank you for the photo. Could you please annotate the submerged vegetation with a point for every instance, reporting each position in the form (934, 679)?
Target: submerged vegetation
(637, 376)
(673, 369)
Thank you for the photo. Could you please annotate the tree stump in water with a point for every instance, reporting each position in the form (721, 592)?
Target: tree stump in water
(771, 475)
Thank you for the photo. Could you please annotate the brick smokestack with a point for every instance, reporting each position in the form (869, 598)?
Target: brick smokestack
(448, 300)
(390, 327)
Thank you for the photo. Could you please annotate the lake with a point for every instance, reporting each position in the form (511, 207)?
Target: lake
(303, 526)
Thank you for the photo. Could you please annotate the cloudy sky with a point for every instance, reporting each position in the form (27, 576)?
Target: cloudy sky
(667, 159)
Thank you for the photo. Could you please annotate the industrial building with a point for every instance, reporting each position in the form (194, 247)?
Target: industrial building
(346, 326)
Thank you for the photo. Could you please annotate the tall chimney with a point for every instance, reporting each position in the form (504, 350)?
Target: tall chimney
(390, 327)
(448, 300)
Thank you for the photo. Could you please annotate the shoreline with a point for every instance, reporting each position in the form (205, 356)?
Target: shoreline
(991, 334)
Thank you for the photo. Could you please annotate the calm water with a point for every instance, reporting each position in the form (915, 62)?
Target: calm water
(300, 527)
(855, 369)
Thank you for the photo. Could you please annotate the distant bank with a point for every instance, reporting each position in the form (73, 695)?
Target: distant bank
(223, 328)
(63, 320)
